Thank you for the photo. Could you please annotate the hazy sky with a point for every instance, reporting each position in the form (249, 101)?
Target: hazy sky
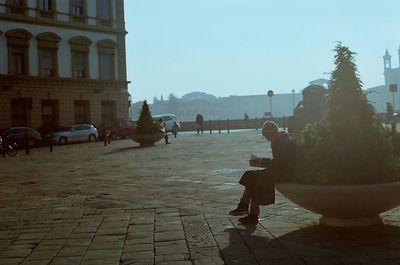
(246, 47)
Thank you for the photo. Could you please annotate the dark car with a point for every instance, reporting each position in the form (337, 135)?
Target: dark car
(122, 129)
(17, 134)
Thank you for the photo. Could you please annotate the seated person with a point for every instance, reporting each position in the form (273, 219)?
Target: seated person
(260, 184)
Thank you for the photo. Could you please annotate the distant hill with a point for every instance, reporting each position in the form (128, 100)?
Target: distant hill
(212, 108)
(199, 95)
(234, 107)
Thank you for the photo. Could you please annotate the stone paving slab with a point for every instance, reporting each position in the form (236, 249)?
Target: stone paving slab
(89, 204)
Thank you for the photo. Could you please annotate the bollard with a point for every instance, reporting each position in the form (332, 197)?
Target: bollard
(209, 122)
(51, 141)
(104, 136)
(284, 123)
(27, 152)
(219, 126)
(3, 145)
(227, 124)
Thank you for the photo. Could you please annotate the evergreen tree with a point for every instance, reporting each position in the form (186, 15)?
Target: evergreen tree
(350, 147)
(145, 123)
(348, 107)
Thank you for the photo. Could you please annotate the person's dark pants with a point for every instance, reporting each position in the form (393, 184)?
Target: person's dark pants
(260, 188)
(246, 200)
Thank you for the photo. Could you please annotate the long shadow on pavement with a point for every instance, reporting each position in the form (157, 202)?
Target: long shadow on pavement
(125, 149)
(313, 245)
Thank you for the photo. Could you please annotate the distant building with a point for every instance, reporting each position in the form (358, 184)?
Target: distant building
(62, 62)
(379, 95)
(321, 82)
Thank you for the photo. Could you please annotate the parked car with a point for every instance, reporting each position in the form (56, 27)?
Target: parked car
(170, 122)
(77, 133)
(122, 128)
(17, 134)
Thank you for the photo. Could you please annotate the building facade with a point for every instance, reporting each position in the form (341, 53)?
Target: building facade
(62, 62)
(392, 77)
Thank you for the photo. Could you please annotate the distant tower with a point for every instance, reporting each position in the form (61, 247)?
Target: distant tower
(387, 61)
(399, 54)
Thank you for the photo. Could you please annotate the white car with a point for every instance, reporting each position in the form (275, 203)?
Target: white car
(170, 122)
(77, 133)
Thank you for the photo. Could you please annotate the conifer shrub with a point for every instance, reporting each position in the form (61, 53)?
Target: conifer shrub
(146, 124)
(351, 146)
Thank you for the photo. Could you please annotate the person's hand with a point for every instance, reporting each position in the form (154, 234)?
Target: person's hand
(255, 162)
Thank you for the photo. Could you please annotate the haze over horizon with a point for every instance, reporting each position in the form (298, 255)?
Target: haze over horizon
(246, 47)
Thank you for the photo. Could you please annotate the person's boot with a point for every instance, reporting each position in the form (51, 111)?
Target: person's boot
(241, 209)
(249, 219)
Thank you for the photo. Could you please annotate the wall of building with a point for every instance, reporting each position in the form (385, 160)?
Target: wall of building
(64, 48)
(64, 89)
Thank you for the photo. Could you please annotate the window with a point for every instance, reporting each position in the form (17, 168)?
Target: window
(48, 47)
(103, 12)
(79, 65)
(47, 8)
(45, 5)
(106, 59)
(20, 109)
(46, 62)
(82, 111)
(17, 60)
(106, 66)
(78, 11)
(50, 113)
(16, 6)
(108, 113)
(79, 57)
(18, 47)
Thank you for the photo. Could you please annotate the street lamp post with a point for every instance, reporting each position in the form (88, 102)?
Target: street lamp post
(270, 93)
(293, 100)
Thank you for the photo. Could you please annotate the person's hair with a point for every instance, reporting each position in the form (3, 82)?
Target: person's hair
(269, 126)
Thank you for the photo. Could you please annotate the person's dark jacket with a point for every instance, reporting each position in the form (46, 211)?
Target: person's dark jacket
(199, 119)
(261, 183)
(283, 153)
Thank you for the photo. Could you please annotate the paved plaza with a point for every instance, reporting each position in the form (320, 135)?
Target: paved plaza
(90, 204)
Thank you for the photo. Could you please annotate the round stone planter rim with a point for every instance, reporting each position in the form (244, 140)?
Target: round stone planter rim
(344, 205)
(342, 187)
(147, 138)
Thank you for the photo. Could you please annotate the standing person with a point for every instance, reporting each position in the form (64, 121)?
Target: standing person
(161, 125)
(389, 112)
(175, 129)
(260, 184)
(199, 122)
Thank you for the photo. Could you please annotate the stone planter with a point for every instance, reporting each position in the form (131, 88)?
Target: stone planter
(147, 139)
(344, 206)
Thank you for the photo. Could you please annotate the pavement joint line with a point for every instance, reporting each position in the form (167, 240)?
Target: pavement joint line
(216, 242)
(91, 241)
(154, 236)
(184, 232)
